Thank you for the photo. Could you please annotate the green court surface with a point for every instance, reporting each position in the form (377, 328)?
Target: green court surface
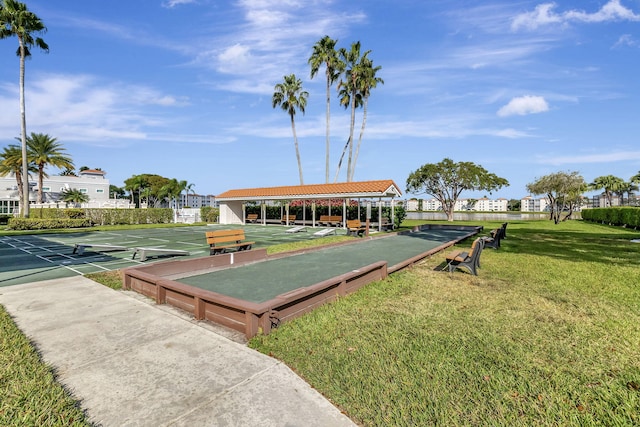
(262, 281)
(32, 258)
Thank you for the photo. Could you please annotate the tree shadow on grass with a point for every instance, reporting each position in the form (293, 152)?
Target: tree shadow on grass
(605, 245)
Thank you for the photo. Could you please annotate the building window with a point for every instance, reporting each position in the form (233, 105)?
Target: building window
(99, 190)
(83, 190)
(9, 206)
(46, 189)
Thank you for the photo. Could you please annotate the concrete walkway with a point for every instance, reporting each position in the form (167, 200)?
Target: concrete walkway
(132, 363)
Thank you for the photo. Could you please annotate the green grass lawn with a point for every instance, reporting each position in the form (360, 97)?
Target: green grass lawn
(29, 394)
(547, 334)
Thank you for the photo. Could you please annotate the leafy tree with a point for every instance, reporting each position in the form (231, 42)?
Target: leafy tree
(609, 183)
(290, 97)
(564, 191)
(11, 163)
(43, 151)
(349, 94)
(324, 53)
(75, 196)
(116, 191)
(171, 190)
(17, 20)
(445, 181)
(137, 183)
(367, 81)
(514, 205)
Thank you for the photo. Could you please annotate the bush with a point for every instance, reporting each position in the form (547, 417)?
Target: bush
(211, 215)
(46, 224)
(626, 216)
(4, 219)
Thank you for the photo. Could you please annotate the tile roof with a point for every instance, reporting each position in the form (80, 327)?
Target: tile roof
(381, 188)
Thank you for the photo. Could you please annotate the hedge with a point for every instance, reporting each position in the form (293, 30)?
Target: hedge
(46, 224)
(104, 216)
(623, 216)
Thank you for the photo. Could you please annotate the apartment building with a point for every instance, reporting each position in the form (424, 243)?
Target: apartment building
(91, 182)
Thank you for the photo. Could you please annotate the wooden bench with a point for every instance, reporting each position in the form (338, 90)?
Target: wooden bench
(80, 247)
(147, 252)
(470, 260)
(221, 240)
(493, 241)
(355, 228)
(286, 220)
(253, 218)
(330, 220)
(386, 225)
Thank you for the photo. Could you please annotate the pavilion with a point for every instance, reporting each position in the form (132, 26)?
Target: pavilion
(233, 202)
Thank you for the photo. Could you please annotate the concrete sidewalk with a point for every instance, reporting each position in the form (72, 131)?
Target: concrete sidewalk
(131, 363)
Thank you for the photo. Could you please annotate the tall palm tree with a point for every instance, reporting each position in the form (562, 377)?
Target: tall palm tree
(290, 97)
(367, 81)
(17, 20)
(43, 151)
(11, 163)
(350, 96)
(609, 183)
(324, 53)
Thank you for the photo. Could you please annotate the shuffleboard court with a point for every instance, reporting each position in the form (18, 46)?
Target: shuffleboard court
(262, 281)
(33, 258)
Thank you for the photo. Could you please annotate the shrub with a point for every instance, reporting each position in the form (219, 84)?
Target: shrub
(627, 216)
(211, 215)
(46, 224)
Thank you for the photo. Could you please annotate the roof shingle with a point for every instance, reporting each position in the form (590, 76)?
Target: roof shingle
(381, 188)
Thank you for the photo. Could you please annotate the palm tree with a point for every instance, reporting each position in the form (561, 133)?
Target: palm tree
(75, 196)
(324, 53)
(290, 97)
(43, 151)
(349, 96)
(135, 183)
(367, 82)
(11, 163)
(17, 20)
(609, 183)
(187, 188)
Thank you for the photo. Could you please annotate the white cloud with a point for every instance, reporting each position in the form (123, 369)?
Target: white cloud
(618, 156)
(544, 15)
(85, 109)
(173, 3)
(524, 105)
(626, 40)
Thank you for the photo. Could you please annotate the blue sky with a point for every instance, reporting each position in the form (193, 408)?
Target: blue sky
(182, 88)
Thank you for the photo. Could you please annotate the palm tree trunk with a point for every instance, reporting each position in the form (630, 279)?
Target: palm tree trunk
(40, 182)
(351, 129)
(295, 141)
(23, 129)
(328, 121)
(364, 122)
(344, 151)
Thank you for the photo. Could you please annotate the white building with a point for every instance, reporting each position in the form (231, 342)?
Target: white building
(90, 182)
(484, 205)
(529, 204)
(197, 200)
